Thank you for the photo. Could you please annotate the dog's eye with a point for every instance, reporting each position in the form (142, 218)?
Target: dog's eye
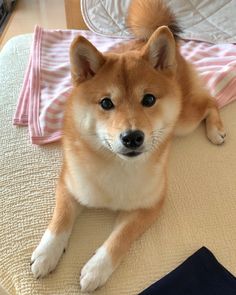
(148, 100)
(107, 104)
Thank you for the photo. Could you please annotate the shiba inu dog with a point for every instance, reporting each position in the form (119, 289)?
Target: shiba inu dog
(124, 110)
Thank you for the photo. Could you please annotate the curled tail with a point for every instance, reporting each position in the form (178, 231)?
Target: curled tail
(145, 16)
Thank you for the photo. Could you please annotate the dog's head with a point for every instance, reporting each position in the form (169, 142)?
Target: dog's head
(126, 103)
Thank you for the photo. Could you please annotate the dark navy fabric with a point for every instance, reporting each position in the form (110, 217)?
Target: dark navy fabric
(200, 274)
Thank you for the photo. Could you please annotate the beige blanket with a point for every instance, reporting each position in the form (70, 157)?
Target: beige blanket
(200, 208)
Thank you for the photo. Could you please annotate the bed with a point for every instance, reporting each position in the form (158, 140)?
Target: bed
(199, 209)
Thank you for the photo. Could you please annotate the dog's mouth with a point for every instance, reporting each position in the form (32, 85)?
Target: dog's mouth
(131, 154)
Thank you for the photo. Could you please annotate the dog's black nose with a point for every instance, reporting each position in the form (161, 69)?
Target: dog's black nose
(132, 139)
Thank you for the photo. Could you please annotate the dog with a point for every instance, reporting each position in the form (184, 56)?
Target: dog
(125, 108)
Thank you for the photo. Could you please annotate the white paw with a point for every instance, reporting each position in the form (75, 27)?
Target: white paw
(46, 256)
(215, 135)
(96, 271)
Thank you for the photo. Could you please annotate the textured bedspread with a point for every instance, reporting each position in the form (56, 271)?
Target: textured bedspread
(200, 208)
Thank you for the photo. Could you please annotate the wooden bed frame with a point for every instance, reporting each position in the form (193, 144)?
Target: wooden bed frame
(74, 19)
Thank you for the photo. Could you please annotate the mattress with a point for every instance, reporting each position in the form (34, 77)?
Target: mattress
(204, 20)
(200, 208)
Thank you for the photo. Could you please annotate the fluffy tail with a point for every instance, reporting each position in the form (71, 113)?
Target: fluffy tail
(145, 16)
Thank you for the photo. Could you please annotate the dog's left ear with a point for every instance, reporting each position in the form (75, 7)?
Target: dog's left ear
(160, 49)
(85, 60)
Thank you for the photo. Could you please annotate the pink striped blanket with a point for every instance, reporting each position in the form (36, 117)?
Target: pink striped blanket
(47, 81)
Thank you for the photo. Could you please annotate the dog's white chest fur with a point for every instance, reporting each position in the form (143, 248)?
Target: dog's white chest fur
(116, 186)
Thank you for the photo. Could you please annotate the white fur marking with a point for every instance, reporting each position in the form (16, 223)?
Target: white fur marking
(215, 135)
(115, 187)
(96, 271)
(46, 256)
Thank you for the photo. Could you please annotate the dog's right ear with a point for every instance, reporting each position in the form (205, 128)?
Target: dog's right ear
(85, 60)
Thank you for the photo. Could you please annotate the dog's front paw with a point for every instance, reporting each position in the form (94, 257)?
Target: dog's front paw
(46, 256)
(96, 271)
(43, 263)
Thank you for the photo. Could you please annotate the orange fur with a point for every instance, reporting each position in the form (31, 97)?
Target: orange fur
(65, 211)
(129, 226)
(95, 174)
(144, 17)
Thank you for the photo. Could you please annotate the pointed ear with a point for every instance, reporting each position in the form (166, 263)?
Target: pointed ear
(85, 60)
(160, 49)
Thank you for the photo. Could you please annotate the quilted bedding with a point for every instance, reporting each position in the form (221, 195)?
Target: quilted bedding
(204, 20)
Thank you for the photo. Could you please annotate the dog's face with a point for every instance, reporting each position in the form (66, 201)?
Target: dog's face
(126, 103)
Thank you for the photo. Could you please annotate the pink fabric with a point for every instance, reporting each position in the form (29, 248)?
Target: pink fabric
(47, 81)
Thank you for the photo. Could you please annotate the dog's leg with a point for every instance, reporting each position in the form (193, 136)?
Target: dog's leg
(214, 126)
(196, 110)
(129, 226)
(54, 241)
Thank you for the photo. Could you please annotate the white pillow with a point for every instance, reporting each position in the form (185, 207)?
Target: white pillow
(204, 20)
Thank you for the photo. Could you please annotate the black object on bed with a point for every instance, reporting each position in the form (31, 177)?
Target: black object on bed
(200, 274)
